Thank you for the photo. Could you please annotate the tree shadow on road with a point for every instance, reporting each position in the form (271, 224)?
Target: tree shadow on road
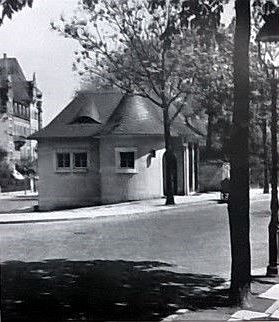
(103, 290)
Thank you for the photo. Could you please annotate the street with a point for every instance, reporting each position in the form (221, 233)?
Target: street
(122, 268)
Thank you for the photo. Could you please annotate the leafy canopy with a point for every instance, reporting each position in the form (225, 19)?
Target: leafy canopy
(143, 47)
(9, 7)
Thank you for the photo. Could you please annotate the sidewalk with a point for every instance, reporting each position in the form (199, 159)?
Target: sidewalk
(126, 208)
(17, 194)
(264, 305)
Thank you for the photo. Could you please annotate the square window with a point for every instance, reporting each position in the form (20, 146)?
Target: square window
(80, 160)
(63, 160)
(127, 160)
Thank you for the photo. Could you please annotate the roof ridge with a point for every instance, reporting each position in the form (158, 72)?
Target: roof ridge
(99, 92)
(8, 58)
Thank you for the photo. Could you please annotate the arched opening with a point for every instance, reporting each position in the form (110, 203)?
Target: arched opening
(173, 166)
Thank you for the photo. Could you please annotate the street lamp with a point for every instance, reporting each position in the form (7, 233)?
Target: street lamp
(268, 49)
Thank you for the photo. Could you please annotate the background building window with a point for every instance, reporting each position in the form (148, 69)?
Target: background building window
(80, 160)
(127, 160)
(63, 160)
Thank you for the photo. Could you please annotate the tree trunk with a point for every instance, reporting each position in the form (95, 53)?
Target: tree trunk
(272, 269)
(209, 132)
(238, 206)
(169, 183)
(265, 156)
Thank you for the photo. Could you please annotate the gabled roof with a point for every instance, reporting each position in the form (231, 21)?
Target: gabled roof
(9, 67)
(114, 114)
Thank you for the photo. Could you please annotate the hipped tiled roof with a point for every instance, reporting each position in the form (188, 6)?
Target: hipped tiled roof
(114, 114)
(134, 115)
(20, 86)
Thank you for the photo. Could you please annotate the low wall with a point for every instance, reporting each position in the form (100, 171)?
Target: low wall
(11, 184)
(211, 173)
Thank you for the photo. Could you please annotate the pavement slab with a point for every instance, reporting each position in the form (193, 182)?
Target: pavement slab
(272, 293)
(262, 307)
(261, 300)
(273, 308)
(247, 315)
(275, 315)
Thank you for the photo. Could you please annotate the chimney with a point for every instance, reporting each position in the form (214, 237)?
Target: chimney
(4, 55)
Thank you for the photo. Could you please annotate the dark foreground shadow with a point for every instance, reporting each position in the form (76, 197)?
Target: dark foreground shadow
(62, 290)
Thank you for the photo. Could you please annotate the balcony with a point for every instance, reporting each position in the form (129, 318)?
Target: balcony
(19, 142)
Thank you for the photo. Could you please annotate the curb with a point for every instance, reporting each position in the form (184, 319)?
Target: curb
(176, 206)
(101, 216)
(33, 221)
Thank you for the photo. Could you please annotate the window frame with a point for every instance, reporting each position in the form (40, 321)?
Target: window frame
(62, 169)
(118, 168)
(80, 169)
(72, 167)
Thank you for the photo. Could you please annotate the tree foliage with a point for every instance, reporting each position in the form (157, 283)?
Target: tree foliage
(213, 90)
(214, 97)
(144, 48)
(9, 7)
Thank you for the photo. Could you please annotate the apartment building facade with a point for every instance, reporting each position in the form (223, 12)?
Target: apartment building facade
(20, 112)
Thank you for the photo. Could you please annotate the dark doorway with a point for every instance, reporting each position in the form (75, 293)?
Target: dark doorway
(173, 173)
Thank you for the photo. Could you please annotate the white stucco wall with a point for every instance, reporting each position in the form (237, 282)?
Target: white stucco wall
(146, 183)
(68, 189)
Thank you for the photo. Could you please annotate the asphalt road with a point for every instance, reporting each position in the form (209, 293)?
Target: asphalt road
(194, 239)
(191, 243)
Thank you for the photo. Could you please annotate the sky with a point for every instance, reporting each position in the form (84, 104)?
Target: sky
(29, 38)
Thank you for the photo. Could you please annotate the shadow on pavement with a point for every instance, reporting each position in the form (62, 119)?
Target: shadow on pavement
(103, 290)
(264, 279)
